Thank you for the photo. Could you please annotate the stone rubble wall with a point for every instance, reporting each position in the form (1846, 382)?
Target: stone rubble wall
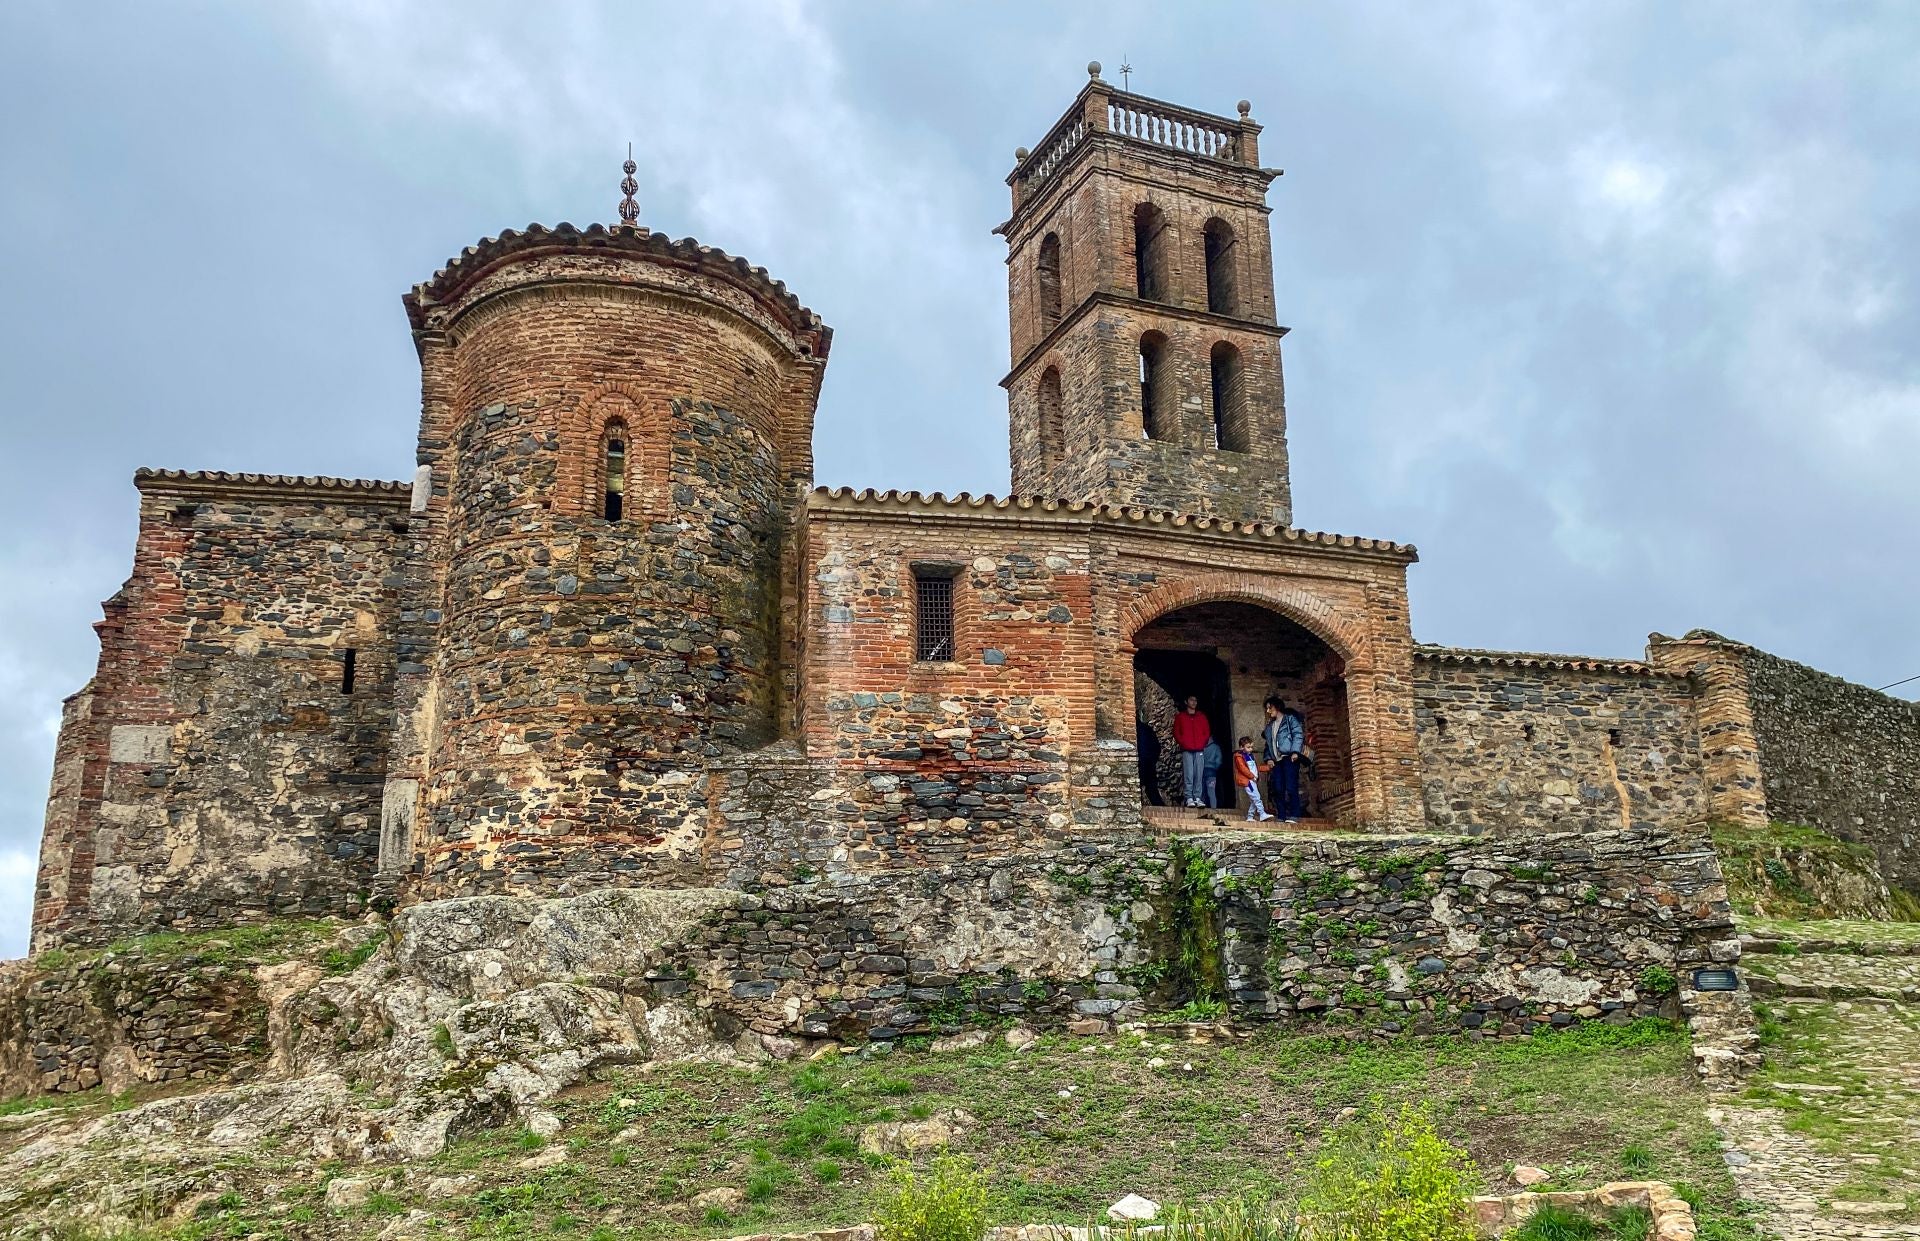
(1524, 744)
(219, 768)
(1839, 757)
(117, 1022)
(1421, 934)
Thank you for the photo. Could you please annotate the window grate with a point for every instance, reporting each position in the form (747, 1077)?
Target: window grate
(933, 617)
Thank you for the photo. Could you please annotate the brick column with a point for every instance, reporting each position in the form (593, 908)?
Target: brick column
(1728, 747)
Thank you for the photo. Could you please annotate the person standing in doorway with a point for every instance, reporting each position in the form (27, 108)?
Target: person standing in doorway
(1147, 742)
(1191, 732)
(1246, 777)
(1211, 760)
(1283, 739)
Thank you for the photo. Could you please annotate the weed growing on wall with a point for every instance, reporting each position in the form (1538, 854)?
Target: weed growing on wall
(1195, 971)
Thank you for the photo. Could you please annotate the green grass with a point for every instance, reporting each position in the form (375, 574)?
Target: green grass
(267, 943)
(1595, 1103)
(1599, 1101)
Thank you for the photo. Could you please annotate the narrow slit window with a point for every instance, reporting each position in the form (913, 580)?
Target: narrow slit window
(932, 616)
(347, 661)
(616, 480)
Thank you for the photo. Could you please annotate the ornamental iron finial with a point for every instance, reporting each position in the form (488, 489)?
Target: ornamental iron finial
(629, 209)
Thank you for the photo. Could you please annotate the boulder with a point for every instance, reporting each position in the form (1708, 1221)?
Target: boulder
(1133, 1209)
(719, 1198)
(905, 1137)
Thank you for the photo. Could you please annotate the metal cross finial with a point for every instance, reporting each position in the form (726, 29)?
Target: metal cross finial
(1126, 71)
(629, 209)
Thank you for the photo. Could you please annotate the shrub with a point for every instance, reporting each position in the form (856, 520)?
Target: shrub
(1657, 980)
(1389, 1176)
(947, 1202)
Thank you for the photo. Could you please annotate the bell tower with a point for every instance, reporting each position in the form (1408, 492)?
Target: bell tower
(1146, 359)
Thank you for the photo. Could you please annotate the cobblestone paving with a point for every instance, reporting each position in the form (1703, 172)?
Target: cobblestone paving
(1827, 1140)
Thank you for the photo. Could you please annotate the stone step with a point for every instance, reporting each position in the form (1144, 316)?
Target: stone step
(1790, 985)
(1763, 945)
(1183, 819)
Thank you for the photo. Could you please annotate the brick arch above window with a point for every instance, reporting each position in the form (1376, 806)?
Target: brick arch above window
(643, 426)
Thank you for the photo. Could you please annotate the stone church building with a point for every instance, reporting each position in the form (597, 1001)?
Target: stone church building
(611, 634)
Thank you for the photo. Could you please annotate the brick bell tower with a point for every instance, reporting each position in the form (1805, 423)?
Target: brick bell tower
(1146, 359)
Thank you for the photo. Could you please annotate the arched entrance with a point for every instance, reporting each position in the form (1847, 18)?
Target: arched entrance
(1233, 656)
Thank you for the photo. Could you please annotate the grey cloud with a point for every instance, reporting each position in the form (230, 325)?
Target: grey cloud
(1610, 310)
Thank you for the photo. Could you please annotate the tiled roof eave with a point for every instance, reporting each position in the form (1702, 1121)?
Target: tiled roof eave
(1032, 508)
(474, 262)
(317, 486)
(1473, 656)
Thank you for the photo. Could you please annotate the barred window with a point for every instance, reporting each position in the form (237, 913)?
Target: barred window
(932, 613)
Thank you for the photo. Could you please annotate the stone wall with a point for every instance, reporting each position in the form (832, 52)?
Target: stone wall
(76, 1023)
(1512, 743)
(222, 764)
(1830, 754)
(584, 658)
(1419, 934)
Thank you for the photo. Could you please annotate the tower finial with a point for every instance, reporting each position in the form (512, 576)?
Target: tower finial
(629, 209)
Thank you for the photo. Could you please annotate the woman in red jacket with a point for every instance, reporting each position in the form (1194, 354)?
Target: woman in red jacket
(1191, 732)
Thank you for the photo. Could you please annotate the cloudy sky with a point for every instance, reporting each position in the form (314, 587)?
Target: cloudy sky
(1611, 309)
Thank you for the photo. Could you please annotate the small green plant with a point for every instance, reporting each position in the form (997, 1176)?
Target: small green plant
(1555, 1223)
(1389, 1176)
(443, 1041)
(1631, 1224)
(1638, 1161)
(826, 1171)
(1658, 980)
(1199, 1010)
(947, 1202)
(347, 960)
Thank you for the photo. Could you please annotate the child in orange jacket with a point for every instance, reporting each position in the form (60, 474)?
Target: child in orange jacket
(1246, 774)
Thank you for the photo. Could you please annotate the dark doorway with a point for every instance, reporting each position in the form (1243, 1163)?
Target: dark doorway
(1162, 680)
(1233, 656)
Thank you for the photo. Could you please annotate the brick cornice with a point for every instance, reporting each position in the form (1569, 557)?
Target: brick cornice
(221, 484)
(847, 503)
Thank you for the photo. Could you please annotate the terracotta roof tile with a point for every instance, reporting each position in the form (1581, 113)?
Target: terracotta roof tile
(1537, 659)
(477, 259)
(212, 480)
(1019, 505)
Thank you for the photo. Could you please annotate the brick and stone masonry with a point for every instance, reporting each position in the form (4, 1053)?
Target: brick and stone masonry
(610, 633)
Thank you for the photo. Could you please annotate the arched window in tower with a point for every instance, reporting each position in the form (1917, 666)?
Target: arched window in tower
(614, 470)
(1053, 437)
(1157, 420)
(1230, 430)
(1152, 280)
(1048, 272)
(1223, 293)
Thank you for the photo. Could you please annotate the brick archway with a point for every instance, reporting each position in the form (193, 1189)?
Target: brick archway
(1303, 608)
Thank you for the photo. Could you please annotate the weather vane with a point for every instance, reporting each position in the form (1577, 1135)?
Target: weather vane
(629, 209)
(1126, 71)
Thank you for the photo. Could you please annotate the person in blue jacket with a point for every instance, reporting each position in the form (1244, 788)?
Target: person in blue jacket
(1282, 742)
